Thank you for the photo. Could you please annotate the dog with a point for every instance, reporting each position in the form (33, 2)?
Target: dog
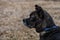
(43, 23)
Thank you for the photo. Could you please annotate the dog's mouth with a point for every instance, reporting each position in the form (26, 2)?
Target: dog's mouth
(27, 23)
(31, 23)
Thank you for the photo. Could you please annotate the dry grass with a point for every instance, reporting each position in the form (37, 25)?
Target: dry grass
(12, 13)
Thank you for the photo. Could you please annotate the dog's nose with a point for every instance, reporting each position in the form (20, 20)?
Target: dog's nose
(23, 20)
(26, 22)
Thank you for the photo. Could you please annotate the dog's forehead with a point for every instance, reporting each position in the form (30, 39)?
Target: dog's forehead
(33, 13)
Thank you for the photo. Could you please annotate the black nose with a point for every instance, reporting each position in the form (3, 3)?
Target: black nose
(25, 21)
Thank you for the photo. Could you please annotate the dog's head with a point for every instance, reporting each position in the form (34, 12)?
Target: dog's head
(36, 19)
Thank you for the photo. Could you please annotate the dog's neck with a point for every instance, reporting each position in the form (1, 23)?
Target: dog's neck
(48, 20)
(48, 29)
(47, 23)
(50, 23)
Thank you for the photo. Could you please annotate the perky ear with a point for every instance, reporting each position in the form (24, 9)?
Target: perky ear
(38, 8)
(40, 11)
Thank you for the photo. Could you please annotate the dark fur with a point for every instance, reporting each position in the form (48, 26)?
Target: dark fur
(40, 19)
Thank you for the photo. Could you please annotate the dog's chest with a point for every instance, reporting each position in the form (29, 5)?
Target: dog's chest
(52, 35)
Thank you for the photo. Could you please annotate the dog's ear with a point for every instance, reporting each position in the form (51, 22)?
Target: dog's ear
(38, 8)
(40, 11)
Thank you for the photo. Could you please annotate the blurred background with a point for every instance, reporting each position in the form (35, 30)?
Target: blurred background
(12, 13)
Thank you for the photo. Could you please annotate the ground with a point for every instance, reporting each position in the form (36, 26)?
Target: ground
(12, 13)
